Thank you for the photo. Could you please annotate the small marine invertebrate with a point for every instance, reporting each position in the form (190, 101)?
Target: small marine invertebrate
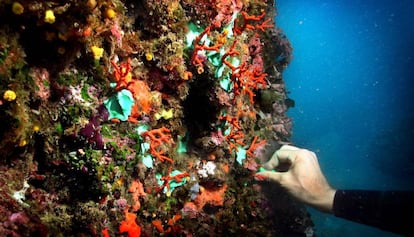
(9, 95)
(110, 13)
(207, 169)
(149, 56)
(165, 114)
(97, 52)
(17, 8)
(49, 16)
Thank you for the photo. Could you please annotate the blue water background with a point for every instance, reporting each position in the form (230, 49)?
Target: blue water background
(352, 79)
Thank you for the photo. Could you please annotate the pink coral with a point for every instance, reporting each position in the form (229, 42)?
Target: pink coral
(42, 81)
(19, 218)
(226, 8)
(190, 210)
(255, 50)
(217, 137)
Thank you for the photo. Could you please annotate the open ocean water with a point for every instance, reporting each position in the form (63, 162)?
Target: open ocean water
(352, 78)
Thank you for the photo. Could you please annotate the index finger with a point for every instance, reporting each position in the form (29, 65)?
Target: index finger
(284, 154)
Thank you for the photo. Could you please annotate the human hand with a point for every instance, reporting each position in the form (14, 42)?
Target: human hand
(303, 178)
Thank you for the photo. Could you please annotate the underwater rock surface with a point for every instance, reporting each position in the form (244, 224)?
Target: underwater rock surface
(142, 118)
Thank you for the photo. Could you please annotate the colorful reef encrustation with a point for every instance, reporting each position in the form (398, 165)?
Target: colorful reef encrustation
(142, 118)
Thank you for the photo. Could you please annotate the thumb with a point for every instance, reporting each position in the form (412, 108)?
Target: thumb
(269, 176)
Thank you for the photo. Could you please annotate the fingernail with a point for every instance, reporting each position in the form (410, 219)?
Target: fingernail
(259, 177)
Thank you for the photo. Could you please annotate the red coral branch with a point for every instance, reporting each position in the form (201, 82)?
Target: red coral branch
(254, 145)
(247, 20)
(196, 60)
(177, 178)
(157, 138)
(230, 52)
(122, 74)
(264, 25)
(235, 136)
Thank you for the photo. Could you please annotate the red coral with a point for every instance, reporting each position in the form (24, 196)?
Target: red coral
(236, 136)
(254, 146)
(157, 138)
(247, 20)
(253, 152)
(122, 74)
(196, 59)
(178, 178)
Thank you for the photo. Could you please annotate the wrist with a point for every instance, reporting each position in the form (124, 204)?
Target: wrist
(325, 202)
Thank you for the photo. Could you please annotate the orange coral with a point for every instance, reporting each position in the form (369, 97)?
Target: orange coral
(226, 168)
(158, 225)
(105, 232)
(142, 95)
(137, 190)
(230, 53)
(172, 227)
(213, 197)
(130, 226)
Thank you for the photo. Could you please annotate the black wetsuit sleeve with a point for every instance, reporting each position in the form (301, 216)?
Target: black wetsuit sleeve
(388, 210)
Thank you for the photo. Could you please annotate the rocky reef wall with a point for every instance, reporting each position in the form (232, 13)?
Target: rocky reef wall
(142, 118)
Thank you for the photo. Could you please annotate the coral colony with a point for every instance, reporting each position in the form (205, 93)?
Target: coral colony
(142, 118)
